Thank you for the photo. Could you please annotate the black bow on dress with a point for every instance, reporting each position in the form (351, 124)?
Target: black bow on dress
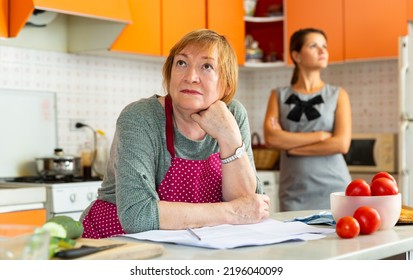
(305, 107)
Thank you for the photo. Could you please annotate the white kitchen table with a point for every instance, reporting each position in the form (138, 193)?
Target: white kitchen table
(379, 245)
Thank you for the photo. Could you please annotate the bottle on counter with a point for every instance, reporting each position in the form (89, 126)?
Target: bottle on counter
(87, 156)
(102, 153)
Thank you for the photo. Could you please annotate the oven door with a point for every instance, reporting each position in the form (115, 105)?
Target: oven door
(70, 199)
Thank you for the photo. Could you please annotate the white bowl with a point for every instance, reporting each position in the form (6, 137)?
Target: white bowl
(388, 206)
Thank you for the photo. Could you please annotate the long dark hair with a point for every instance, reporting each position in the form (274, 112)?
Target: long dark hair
(297, 41)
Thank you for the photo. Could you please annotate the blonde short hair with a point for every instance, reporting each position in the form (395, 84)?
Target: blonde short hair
(227, 60)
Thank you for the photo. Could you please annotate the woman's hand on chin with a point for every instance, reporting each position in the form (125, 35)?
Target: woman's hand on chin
(217, 121)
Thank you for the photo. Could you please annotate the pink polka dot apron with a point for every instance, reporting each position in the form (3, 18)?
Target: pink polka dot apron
(195, 181)
(102, 221)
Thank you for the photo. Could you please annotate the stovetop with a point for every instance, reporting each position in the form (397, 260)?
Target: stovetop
(51, 179)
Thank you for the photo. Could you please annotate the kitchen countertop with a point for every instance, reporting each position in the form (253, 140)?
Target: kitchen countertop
(379, 245)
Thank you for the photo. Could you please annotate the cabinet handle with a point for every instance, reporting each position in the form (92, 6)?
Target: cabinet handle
(73, 197)
(266, 183)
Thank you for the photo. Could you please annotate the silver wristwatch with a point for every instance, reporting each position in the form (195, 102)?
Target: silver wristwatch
(238, 153)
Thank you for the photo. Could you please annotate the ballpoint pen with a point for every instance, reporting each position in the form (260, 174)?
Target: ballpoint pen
(193, 234)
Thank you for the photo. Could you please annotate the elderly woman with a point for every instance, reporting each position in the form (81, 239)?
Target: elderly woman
(184, 159)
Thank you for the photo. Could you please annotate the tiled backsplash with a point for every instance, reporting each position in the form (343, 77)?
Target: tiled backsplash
(372, 87)
(95, 89)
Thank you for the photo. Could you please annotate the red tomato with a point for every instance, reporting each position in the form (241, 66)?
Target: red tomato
(383, 174)
(358, 187)
(368, 218)
(347, 227)
(384, 186)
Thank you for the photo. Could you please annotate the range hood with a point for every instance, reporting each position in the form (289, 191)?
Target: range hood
(81, 26)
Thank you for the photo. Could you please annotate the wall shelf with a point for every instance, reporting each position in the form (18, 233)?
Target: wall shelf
(263, 19)
(266, 26)
(264, 64)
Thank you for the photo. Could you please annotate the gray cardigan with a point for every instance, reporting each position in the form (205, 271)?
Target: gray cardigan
(139, 161)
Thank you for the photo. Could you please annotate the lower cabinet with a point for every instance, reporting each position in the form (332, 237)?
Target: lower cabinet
(36, 217)
(269, 181)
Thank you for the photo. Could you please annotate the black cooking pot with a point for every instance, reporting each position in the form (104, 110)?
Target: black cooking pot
(59, 164)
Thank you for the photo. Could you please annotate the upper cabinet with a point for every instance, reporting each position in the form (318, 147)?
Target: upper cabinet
(372, 28)
(355, 29)
(131, 27)
(115, 10)
(178, 18)
(66, 25)
(227, 18)
(4, 18)
(109, 10)
(327, 15)
(157, 25)
(143, 34)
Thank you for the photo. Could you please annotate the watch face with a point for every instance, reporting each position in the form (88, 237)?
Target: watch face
(239, 152)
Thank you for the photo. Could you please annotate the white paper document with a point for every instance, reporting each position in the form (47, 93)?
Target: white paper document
(269, 231)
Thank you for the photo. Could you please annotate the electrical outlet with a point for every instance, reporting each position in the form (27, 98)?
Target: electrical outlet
(73, 122)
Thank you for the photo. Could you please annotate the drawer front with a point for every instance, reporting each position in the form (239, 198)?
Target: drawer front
(70, 199)
(19, 196)
(35, 217)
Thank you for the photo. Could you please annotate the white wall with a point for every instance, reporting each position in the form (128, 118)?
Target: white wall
(95, 89)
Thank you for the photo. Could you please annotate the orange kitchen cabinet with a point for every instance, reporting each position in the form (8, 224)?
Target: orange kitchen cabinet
(108, 9)
(227, 18)
(372, 28)
(178, 18)
(157, 25)
(35, 217)
(143, 35)
(112, 10)
(19, 13)
(322, 14)
(4, 18)
(410, 10)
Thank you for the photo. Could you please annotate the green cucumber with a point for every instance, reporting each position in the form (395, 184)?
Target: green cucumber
(57, 244)
(64, 227)
(65, 243)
